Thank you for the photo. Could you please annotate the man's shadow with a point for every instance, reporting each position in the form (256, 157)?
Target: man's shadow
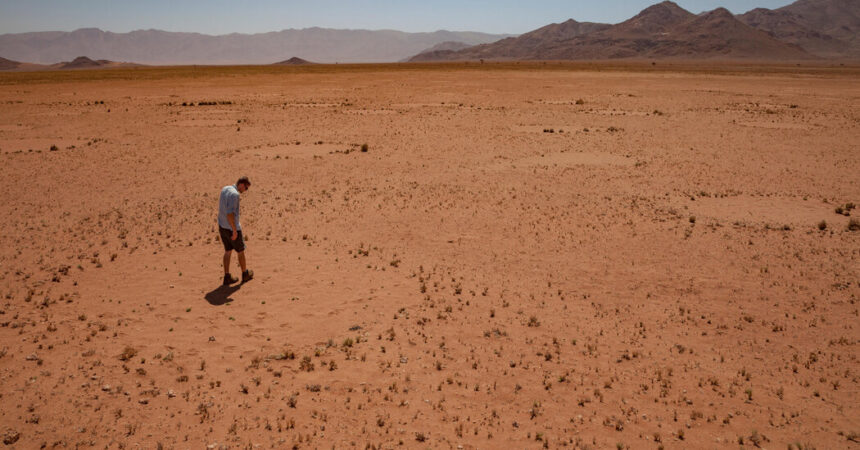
(221, 294)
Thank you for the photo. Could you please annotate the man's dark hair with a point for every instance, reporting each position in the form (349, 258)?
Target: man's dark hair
(243, 180)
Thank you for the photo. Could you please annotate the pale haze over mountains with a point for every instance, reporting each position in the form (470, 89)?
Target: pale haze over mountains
(803, 30)
(164, 48)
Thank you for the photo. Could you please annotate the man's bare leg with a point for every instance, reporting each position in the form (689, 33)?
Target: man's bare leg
(241, 261)
(227, 262)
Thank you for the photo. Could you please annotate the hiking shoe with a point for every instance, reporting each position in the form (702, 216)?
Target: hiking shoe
(229, 279)
(247, 275)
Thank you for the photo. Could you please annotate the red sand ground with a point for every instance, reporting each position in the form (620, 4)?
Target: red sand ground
(650, 273)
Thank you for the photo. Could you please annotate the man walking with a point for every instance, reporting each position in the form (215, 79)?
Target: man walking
(231, 230)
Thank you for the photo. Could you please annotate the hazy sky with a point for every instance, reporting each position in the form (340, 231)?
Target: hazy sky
(229, 16)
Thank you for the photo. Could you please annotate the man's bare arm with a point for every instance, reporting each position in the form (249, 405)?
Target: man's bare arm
(231, 219)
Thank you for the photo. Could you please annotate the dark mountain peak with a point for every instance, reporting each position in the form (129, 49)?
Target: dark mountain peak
(654, 19)
(719, 13)
(757, 11)
(7, 64)
(717, 17)
(717, 22)
(664, 10)
(754, 17)
(83, 60)
(758, 16)
(88, 32)
(294, 61)
(561, 31)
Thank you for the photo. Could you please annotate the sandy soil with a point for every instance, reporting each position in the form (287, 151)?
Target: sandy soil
(522, 259)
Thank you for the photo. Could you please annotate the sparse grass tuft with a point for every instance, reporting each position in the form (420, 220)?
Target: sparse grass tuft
(306, 365)
(127, 354)
(845, 209)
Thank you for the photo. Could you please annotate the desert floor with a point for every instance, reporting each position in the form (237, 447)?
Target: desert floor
(525, 256)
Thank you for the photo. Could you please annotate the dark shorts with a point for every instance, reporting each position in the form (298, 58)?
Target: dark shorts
(238, 244)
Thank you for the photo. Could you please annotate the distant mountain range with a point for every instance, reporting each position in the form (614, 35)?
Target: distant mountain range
(81, 62)
(806, 29)
(525, 46)
(826, 28)
(803, 30)
(166, 48)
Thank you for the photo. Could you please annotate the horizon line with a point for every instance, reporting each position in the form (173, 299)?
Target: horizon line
(267, 32)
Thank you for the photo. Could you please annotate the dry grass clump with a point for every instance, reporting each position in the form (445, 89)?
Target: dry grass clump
(127, 354)
(845, 209)
(306, 364)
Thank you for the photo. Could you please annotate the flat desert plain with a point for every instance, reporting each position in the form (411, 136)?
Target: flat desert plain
(524, 256)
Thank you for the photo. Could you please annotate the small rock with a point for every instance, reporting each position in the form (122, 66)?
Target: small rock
(170, 393)
(32, 357)
(11, 436)
(355, 328)
(143, 401)
(211, 338)
(106, 388)
(404, 360)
